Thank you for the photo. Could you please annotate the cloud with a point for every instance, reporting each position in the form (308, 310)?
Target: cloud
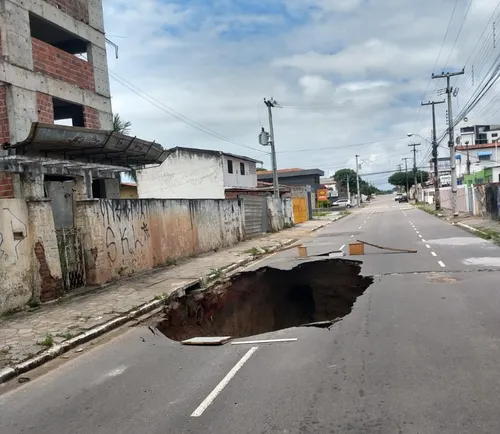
(345, 71)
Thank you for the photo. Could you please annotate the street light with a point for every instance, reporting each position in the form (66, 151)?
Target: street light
(423, 138)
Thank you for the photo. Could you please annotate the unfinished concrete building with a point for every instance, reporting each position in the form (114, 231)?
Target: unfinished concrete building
(53, 69)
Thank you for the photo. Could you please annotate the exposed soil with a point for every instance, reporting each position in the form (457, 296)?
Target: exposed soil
(267, 299)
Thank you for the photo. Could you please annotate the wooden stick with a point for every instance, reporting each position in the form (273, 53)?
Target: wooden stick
(388, 248)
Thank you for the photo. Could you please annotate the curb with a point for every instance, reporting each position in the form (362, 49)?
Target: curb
(469, 228)
(58, 349)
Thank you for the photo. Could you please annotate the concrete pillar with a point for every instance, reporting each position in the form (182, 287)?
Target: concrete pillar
(16, 35)
(97, 56)
(22, 112)
(32, 186)
(83, 186)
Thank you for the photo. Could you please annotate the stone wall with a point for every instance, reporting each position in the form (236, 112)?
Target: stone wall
(124, 236)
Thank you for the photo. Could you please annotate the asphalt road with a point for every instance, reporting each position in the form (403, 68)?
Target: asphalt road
(419, 353)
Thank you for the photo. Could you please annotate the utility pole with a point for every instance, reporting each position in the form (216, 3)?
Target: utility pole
(468, 157)
(437, 192)
(451, 138)
(348, 191)
(357, 180)
(399, 167)
(414, 169)
(270, 104)
(406, 171)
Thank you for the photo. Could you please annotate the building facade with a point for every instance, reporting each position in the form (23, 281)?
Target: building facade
(190, 173)
(480, 156)
(53, 69)
(310, 177)
(479, 134)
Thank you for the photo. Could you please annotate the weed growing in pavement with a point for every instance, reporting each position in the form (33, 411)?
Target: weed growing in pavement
(320, 214)
(66, 335)
(215, 273)
(427, 209)
(47, 341)
(254, 251)
(345, 213)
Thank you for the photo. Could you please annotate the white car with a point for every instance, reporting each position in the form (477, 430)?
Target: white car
(342, 202)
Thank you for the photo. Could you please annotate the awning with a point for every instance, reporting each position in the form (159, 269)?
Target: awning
(88, 145)
(51, 166)
(484, 154)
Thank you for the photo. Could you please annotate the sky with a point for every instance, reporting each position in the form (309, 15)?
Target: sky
(349, 75)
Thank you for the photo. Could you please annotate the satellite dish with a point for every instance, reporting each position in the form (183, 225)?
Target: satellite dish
(466, 119)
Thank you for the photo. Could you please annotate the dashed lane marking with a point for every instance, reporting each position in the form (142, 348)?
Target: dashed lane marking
(433, 254)
(441, 263)
(218, 389)
(427, 245)
(342, 248)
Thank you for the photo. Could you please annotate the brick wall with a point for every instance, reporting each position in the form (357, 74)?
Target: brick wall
(91, 118)
(61, 65)
(45, 108)
(6, 183)
(6, 186)
(78, 9)
(4, 118)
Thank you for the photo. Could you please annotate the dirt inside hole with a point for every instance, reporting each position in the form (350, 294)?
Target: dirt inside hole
(267, 299)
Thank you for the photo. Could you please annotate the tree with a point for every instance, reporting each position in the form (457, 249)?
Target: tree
(261, 169)
(340, 178)
(398, 179)
(121, 126)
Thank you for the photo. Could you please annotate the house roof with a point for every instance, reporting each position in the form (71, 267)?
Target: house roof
(212, 152)
(470, 147)
(289, 173)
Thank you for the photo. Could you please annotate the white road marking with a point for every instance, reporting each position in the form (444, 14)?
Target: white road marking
(218, 389)
(417, 231)
(264, 341)
(423, 240)
(433, 254)
(360, 227)
(352, 236)
(342, 248)
(441, 263)
(427, 245)
(420, 236)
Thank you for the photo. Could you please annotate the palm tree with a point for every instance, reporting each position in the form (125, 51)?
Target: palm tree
(121, 126)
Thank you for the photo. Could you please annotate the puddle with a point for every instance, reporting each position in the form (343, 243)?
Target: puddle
(442, 279)
(266, 300)
(489, 262)
(458, 241)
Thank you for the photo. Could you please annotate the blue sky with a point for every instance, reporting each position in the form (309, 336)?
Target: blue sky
(346, 72)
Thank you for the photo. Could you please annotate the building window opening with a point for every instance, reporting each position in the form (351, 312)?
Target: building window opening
(67, 113)
(56, 36)
(242, 168)
(98, 189)
(229, 166)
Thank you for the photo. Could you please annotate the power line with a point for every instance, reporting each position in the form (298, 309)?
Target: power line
(458, 34)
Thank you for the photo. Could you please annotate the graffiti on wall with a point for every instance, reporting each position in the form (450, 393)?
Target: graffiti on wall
(127, 230)
(14, 233)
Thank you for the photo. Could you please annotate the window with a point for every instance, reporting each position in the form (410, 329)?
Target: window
(494, 134)
(67, 113)
(229, 166)
(242, 168)
(56, 36)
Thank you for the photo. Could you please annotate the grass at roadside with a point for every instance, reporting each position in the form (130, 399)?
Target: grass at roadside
(427, 208)
(488, 234)
(320, 213)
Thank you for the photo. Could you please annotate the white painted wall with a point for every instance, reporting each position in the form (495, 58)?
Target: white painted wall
(183, 175)
(236, 179)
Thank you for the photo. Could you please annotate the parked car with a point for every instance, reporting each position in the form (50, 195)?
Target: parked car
(398, 196)
(342, 202)
(403, 198)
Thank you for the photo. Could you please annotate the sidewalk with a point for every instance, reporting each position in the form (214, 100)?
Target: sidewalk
(486, 227)
(25, 334)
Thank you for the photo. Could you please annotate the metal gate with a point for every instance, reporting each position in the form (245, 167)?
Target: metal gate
(255, 211)
(299, 209)
(69, 242)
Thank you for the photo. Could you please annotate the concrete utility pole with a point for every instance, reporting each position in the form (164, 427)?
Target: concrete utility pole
(468, 158)
(270, 104)
(348, 191)
(406, 171)
(437, 193)
(415, 181)
(400, 167)
(451, 138)
(357, 180)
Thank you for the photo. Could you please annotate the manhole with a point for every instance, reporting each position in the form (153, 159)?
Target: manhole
(443, 279)
(266, 300)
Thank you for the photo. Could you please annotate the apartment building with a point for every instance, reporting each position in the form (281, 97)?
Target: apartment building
(53, 69)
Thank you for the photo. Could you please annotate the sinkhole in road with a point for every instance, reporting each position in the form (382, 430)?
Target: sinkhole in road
(265, 300)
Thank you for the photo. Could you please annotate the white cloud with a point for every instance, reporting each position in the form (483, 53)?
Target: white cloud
(354, 71)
